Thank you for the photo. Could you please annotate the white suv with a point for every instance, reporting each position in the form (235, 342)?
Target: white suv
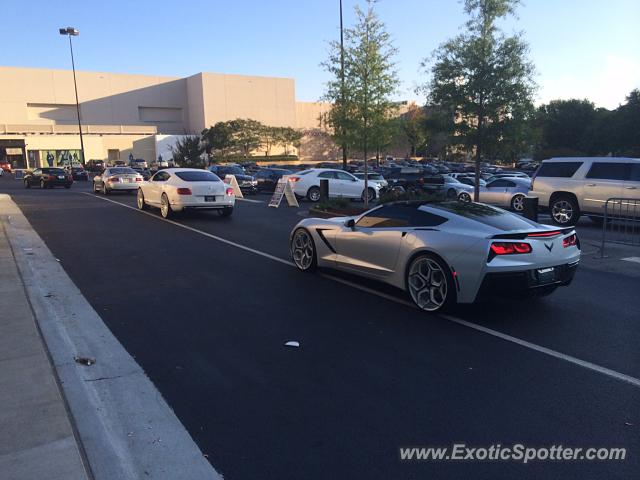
(572, 186)
(341, 184)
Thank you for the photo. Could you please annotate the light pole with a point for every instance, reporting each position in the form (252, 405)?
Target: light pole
(344, 145)
(73, 32)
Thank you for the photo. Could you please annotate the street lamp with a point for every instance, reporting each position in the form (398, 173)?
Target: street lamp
(73, 32)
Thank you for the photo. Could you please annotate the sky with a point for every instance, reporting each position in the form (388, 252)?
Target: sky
(581, 48)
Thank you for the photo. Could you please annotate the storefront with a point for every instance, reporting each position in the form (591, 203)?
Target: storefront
(54, 158)
(12, 151)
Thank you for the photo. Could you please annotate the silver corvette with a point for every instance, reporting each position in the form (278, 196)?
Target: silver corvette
(442, 253)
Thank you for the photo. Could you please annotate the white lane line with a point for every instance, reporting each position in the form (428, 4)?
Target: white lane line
(248, 200)
(632, 259)
(523, 343)
(195, 230)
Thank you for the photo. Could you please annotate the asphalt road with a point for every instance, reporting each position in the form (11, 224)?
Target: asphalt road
(208, 322)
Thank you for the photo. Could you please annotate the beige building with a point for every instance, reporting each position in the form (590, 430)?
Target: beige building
(125, 114)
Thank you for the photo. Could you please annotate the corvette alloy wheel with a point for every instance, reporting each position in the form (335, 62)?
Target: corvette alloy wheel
(427, 284)
(303, 250)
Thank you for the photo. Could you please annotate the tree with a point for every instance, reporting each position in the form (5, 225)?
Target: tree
(483, 76)
(566, 125)
(218, 138)
(414, 129)
(187, 152)
(364, 106)
(246, 135)
(290, 136)
(270, 136)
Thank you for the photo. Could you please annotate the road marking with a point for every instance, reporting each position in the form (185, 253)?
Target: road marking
(195, 230)
(503, 336)
(249, 200)
(632, 259)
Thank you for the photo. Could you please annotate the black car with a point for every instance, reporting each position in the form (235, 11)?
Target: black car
(48, 177)
(79, 173)
(246, 182)
(146, 174)
(267, 178)
(95, 165)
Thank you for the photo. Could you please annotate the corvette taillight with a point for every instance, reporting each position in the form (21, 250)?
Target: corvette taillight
(113, 179)
(294, 179)
(570, 241)
(183, 191)
(510, 248)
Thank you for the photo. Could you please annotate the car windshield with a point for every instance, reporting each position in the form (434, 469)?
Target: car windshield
(197, 176)
(121, 171)
(492, 216)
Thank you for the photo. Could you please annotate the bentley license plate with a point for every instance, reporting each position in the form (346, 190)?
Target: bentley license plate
(209, 198)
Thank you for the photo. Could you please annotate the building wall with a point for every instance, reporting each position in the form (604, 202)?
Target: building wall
(266, 99)
(37, 96)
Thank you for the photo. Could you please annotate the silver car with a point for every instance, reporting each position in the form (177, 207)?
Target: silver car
(503, 192)
(123, 179)
(572, 186)
(441, 253)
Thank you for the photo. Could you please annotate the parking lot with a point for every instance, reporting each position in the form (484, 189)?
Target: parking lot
(206, 304)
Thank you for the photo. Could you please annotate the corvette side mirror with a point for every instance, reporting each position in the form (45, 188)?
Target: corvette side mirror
(351, 223)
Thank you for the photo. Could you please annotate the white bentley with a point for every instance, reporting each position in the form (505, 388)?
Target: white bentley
(178, 189)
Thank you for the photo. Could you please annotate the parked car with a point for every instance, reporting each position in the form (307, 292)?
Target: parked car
(470, 180)
(248, 184)
(5, 166)
(146, 174)
(573, 186)
(372, 177)
(138, 163)
(94, 165)
(267, 178)
(48, 177)
(503, 192)
(122, 179)
(119, 163)
(341, 184)
(78, 173)
(415, 246)
(178, 189)
(1, 172)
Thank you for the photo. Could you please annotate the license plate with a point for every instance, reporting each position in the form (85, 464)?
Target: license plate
(127, 180)
(209, 198)
(546, 275)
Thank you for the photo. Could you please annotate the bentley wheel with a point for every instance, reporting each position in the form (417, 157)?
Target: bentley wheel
(303, 250)
(430, 283)
(165, 207)
(140, 200)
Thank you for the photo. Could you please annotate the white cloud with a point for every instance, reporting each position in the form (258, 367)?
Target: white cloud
(606, 87)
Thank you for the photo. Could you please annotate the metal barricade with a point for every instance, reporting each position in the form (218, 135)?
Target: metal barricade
(621, 223)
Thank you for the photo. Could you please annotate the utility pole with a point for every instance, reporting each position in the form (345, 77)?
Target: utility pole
(344, 144)
(73, 32)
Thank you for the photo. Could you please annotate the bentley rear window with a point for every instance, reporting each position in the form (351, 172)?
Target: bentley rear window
(200, 176)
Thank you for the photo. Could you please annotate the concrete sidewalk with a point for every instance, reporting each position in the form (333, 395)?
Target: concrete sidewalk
(37, 439)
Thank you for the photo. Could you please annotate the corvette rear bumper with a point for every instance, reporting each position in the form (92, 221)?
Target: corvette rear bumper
(516, 283)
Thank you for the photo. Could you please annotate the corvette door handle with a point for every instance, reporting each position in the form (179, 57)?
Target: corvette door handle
(631, 188)
(591, 184)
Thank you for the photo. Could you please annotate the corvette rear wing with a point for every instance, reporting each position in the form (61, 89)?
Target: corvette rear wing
(533, 234)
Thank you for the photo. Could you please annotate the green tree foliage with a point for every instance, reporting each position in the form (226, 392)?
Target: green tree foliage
(218, 139)
(577, 128)
(413, 125)
(364, 109)
(187, 152)
(483, 77)
(246, 135)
